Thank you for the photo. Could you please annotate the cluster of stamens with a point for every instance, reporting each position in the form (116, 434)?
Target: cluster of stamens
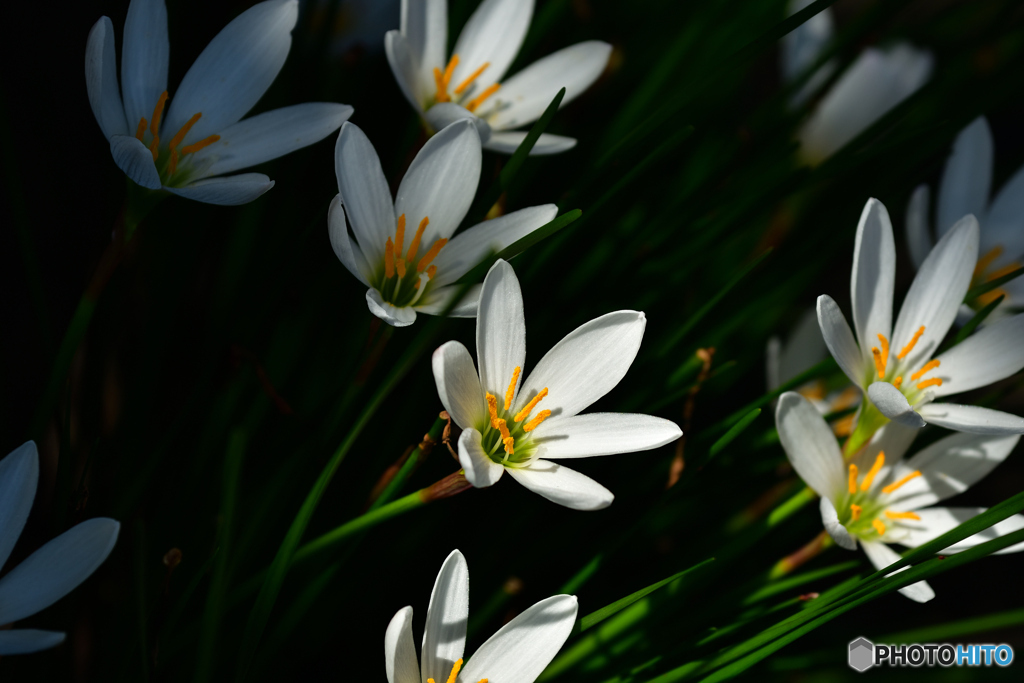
(443, 79)
(980, 276)
(501, 424)
(881, 356)
(455, 673)
(856, 492)
(154, 127)
(397, 263)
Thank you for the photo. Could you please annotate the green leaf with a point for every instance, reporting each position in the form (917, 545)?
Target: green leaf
(974, 292)
(733, 432)
(973, 323)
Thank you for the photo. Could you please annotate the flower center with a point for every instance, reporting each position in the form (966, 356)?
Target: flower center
(169, 166)
(413, 277)
(881, 356)
(861, 512)
(981, 276)
(504, 429)
(442, 79)
(455, 673)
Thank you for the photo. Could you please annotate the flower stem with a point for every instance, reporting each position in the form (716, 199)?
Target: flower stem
(397, 474)
(794, 560)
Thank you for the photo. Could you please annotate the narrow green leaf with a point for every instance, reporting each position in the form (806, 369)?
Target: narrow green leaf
(973, 323)
(733, 432)
(957, 629)
(974, 292)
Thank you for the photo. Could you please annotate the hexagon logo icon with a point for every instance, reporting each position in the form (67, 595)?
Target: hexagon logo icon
(862, 654)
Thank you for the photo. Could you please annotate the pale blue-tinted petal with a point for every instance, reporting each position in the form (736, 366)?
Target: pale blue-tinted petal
(442, 115)
(404, 69)
(389, 313)
(919, 239)
(144, 58)
(424, 25)
(232, 190)
(508, 141)
(444, 634)
(436, 301)
(135, 159)
(873, 277)
(973, 419)
(967, 178)
(493, 35)
(994, 352)
(1004, 222)
(25, 641)
(365, 193)
(458, 386)
(19, 476)
(348, 253)
(839, 339)
(101, 79)
(562, 485)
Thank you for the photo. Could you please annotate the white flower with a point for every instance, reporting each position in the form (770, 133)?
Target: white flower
(876, 81)
(897, 366)
(965, 189)
(517, 653)
(521, 425)
(49, 573)
(432, 200)
(200, 135)
(469, 84)
(877, 498)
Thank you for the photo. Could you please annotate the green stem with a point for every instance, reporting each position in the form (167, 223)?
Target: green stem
(791, 506)
(418, 455)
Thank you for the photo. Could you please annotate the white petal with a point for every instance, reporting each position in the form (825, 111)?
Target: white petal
(135, 159)
(967, 178)
(989, 355)
(948, 467)
(348, 253)
(25, 641)
(802, 46)
(507, 142)
(101, 79)
(234, 70)
(522, 648)
(392, 315)
(835, 529)
(524, 97)
(563, 486)
(469, 247)
(442, 115)
(232, 190)
(894, 440)
(439, 299)
(444, 635)
(936, 521)
(936, 293)
(810, 445)
(500, 330)
(1004, 222)
(364, 192)
(441, 182)
(839, 339)
(400, 661)
(891, 402)
(882, 556)
(56, 569)
(404, 68)
(458, 385)
(480, 470)
(584, 436)
(971, 419)
(424, 26)
(19, 476)
(874, 274)
(271, 135)
(493, 35)
(919, 240)
(587, 363)
(144, 58)
(804, 348)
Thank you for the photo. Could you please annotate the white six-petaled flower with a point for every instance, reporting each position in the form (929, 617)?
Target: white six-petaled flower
(201, 137)
(517, 653)
(877, 498)
(51, 572)
(521, 424)
(432, 200)
(469, 84)
(898, 366)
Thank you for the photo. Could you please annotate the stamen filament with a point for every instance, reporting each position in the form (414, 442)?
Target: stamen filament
(510, 443)
(472, 77)
(930, 365)
(933, 382)
(389, 259)
(414, 246)
(431, 272)
(479, 99)
(431, 255)
(158, 112)
(196, 146)
(525, 412)
(140, 131)
(853, 478)
(535, 422)
(902, 515)
(913, 342)
(895, 485)
(512, 387)
(855, 512)
(154, 147)
(180, 135)
(400, 236)
(879, 526)
(985, 261)
(870, 476)
(898, 382)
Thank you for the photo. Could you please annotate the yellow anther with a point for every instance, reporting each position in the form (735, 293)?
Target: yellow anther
(158, 112)
(985, 261)
(492, 408)
(879, 526)
(895, 485)
(503, 428)
(509, 445)
(930, 365)
(885, 348)
(414, 246)
(1005, 270)
(196, 146)
(870, 476)
(400, 266)
(479, 99)
(400, 236)
(431, 272)
(454, 674)
(855, 512)
(472, 77)
(853, 478)
(442, 92)
(431, 254)
(140, 131)
(525, 412)
(881, 356)
(535, 422)
(389, 259)
(180, 135)
(913, 342)
(902, 515)
(933, 382)
(844, 426)
(898, 382)
(512, 388)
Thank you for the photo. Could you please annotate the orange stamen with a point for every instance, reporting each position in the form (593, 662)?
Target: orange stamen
(512, 387)
(158, 112)
(449, 70)
(431, 254)
(881, 356)
(843, 427)
(933, 382)
(870, 476)
(479, 99)
(400, 236)
(902, 515)
(853, 478)
(855, 511)
(913, 342)
(879, 526)
(502, 427)
(400, 266)
(985, 261)
(492, 408)
(180, 135)
(525, 412)
(898, 382)
(895, 485)
(1005, 270)
(196, 146)
(509, 445)
(431, 272)
(930, 365)
(414, 246)
(535, 422)
(472, 77)
(442, 94)
(389, 259)
(154, 147)
(141, 129)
